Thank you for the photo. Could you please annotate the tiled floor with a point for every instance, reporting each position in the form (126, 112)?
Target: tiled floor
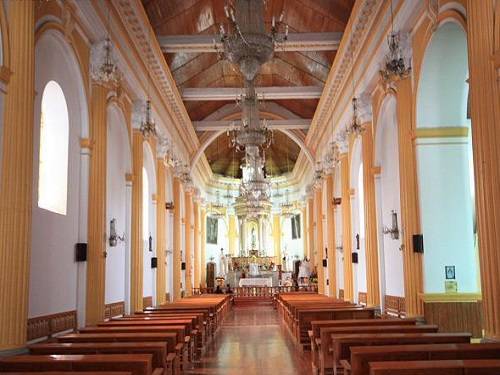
(251, 341)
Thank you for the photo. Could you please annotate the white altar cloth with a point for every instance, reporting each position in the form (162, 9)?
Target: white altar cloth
(261, 281)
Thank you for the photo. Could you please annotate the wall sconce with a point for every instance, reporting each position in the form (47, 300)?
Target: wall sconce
(169, 205)
(393, 230)
(113, 237)
(337, 201)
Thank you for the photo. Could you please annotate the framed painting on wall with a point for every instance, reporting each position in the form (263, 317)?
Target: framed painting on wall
(212, 230)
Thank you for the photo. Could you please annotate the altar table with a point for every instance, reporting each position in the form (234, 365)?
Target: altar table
(260, 281)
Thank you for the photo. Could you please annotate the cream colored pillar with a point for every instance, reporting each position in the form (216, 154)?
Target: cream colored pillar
(136, 258)
(330, 222)
(96, 259)
(196, 250)
(203, 252)
(177, 240)
(188, 242)
(277, 237)
(16, 183)
(232, 235)
(347, 228)
(412, 262)
(310, 229)
(370, 211)
(485, 111)
(318, 200)
(161, 229)
(304, 230)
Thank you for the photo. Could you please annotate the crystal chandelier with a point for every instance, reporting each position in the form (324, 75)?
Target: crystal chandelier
(355, 126)
(217, 208)
(396, 65)
(108, 71)
(247, 44)
(287, 207)
(331, 159)
(318, 175)
(148, 127)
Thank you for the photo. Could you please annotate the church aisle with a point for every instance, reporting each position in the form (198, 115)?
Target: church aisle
(251, 341)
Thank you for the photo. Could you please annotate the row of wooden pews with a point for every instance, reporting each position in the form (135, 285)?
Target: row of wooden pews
(345, 341)
(164, 340)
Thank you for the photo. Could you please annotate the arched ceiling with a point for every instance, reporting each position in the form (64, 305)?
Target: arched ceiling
(289, 70)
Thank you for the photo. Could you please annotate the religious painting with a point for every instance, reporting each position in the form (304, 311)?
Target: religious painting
(450, 272)
(295, 221)
(212, 230)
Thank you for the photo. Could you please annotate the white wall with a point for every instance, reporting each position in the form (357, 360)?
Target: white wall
(118, 165)
(388, 199)
(149, 275)
(294, 247)
(53, 274)
(213, 250)
(170, 236)
(337, 187)
(445, 164)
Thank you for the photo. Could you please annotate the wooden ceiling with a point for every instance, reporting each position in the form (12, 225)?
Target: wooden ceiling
(206, 70)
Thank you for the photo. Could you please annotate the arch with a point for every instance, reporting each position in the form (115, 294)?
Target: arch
(54, 275)
(118, 205)
(444, 161)
(387, 185)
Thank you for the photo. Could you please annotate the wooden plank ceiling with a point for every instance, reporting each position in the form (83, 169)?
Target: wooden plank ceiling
(202, 70)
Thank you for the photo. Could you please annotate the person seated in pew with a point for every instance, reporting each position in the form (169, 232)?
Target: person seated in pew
(228, 289)
(218, 290)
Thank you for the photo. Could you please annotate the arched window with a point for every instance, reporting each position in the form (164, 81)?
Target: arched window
(54, 143)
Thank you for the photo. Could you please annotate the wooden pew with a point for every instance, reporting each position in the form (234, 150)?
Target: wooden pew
(68, 373)
(183, 341)
(326, 358)
(157, 349)
(169, 338)
(341, 344)
(446, 367)
(317, 325)
(136, 364)
(363, 355)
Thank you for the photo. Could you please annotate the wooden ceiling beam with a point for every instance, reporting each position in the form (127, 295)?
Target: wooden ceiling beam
(266, 93)
(327, 41)
(290, 124)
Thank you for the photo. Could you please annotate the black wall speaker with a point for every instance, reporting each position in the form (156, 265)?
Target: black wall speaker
(324, 263)
(355, 257)
(183, 266)
(81, 252)
(418, 243)
(154, 262)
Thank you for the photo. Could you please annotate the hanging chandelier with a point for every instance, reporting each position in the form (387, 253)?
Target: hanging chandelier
(148, 127)
(247, 43)
(107, 72)
(217, 208)
(287, 207)
(331, 159)
(396, 64)
(355, 127)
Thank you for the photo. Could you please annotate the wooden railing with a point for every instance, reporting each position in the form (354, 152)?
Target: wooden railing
(114, 309)
(259, 291)
(48, 325)
(395, 306)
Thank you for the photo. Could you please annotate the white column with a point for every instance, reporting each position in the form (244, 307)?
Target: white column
(128, 242)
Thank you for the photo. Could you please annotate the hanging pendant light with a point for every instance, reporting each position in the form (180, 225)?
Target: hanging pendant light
(148, 127)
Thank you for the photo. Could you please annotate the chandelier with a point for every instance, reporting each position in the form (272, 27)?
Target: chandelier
(396, 65)
(331, 159)
(148, 127)
(247, 44)
(107, 71)
(355, 126)
(287, 207)
(217, 208)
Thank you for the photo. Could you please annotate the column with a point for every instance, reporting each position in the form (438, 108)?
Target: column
(203, 252)
(260, 226)
(310, 228)
(485, 111)
(96, 258)
(277, 237)
(161, 228)
(196, 250)
(188, 199)
(346, 228)
(303, 220)
(177, 240)
(330, 222)
(412, 262)
(136, 255)
(16, 183)
(370, 211)
(318, 200)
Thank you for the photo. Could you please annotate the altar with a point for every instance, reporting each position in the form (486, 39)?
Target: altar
(256, 281)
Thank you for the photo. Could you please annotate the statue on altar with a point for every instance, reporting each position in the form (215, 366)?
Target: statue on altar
(304, 270)
(253, 238)
(223, 267)
(253, 267)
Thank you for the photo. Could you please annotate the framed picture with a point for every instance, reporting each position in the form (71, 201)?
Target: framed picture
(295, 221)
(212, 230)
(449, 272)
